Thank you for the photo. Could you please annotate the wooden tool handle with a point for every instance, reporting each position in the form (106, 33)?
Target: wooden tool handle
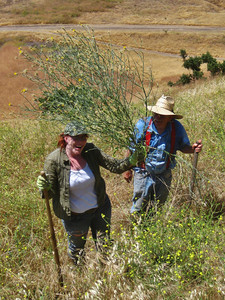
(52, 232)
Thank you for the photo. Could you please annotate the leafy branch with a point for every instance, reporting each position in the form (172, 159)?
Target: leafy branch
(80, 78)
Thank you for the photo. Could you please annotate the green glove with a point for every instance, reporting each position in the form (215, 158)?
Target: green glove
(138, 155)
(43, 183)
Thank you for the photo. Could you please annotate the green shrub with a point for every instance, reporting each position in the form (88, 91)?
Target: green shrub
(194, 63)
(183, 54)
(197, 75)
(214, 67)
(185, 79)
(222, 67)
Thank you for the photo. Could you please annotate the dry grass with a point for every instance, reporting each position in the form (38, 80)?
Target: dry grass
(193, 12)
(195, 43)
(54, 11)
(28, 267)
(162, 12)
(11, 85)
(164, 67)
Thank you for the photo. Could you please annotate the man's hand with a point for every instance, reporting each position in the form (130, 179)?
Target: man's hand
(197, 147)
(128, 175)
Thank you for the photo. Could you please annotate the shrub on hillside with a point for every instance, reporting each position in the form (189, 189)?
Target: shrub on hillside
(194, 64)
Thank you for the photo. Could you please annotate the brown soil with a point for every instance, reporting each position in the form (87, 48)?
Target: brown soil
(11, 84)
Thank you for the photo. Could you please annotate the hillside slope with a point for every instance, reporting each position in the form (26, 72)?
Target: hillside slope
(192, 12)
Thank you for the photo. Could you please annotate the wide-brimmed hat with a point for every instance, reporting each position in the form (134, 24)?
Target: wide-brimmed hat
(164, 106)
(75, 128)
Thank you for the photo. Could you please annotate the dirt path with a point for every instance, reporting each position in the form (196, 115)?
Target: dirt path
(112, 27)
(53, 28)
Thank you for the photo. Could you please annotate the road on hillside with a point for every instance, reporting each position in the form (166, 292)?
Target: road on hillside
(53, 28)
(111, 27)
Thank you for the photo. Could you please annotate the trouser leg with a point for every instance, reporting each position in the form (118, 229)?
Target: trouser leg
(159, 189)
(77, 230)
(100, 226)
(139, 197)
(150, 191)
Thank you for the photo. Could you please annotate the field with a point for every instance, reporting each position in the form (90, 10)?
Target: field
(195, 12)
(164, 66)
(180, 252)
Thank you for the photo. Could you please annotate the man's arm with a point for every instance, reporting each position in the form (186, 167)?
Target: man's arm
(195, 147)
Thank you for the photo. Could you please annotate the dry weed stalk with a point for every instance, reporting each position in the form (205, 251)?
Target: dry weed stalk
(92, 83)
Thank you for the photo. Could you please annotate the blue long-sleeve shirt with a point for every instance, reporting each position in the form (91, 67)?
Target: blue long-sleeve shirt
(158, 153)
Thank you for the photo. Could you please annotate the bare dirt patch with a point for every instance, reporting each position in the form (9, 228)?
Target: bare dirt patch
(11, 84)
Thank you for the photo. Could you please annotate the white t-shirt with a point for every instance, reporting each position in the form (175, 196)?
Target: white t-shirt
(82, 193)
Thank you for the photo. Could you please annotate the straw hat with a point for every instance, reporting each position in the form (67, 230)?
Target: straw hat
(164, 106)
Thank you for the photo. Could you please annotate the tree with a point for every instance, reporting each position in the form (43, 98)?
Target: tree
(207, 57)
(184, 79)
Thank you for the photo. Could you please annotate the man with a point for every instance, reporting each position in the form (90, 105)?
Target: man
(163, 135)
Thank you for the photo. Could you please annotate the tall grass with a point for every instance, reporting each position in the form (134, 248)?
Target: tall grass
(177, 254)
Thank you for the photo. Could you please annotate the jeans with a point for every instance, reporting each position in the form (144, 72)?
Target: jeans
(77, 229)
(150, 190)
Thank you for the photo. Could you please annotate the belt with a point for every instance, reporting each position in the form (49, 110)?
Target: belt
(90, 211)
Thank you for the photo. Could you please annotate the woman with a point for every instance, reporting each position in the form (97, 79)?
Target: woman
(78, 190)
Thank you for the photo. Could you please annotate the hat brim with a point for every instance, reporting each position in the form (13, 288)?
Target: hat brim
(164, 112)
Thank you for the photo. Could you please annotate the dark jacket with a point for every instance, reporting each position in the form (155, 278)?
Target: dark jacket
(57, 169)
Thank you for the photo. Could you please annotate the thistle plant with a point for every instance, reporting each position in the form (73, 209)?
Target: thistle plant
(85, 80)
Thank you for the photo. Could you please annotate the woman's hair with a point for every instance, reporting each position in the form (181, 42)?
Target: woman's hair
(61, 141)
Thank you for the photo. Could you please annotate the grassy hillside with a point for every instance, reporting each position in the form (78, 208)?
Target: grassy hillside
(194, 12)
(178, 254)
(166, 65)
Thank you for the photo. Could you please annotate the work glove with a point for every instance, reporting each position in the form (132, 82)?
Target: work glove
(43, 183)
(138, 155)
